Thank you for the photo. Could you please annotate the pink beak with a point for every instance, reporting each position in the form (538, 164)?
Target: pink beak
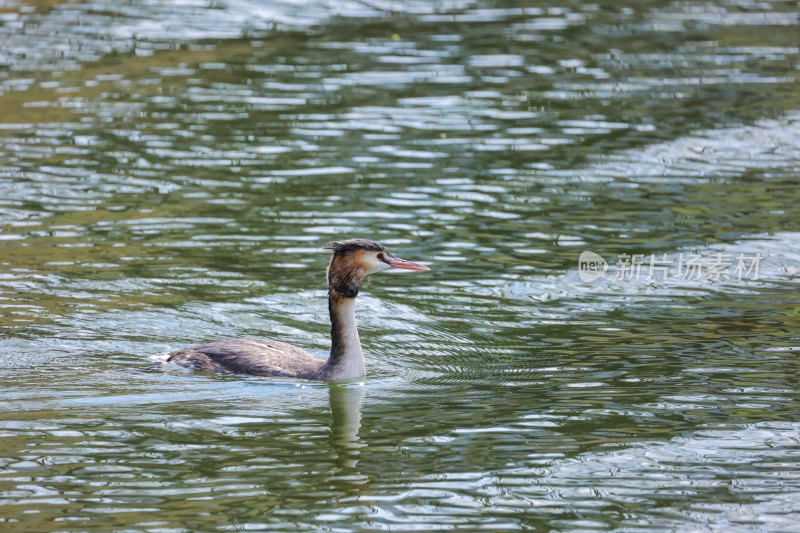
(396, 262)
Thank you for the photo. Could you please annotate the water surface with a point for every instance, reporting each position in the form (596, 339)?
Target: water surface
(169, 172)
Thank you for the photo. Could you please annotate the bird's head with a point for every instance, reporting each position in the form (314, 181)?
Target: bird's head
(354, 259)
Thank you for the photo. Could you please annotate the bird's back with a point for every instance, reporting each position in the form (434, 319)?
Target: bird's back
(261, 357)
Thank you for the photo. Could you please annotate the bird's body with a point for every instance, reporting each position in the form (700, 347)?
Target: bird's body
(352, 260)
(258, 357)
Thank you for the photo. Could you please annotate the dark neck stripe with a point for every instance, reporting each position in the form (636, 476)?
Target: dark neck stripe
(338, 347)
(343, 290)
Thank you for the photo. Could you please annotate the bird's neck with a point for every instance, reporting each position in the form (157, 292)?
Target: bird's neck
(346, 361)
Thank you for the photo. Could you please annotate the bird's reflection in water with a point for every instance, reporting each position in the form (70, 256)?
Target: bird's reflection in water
(346, 403)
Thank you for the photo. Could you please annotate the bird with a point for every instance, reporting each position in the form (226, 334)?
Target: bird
(351, 261)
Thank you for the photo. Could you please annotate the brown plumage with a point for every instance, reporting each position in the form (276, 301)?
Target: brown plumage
(351, 261)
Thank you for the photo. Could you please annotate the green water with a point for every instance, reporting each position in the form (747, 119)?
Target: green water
(170, 171)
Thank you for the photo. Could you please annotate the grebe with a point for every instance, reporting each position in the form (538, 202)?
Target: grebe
(351, 261)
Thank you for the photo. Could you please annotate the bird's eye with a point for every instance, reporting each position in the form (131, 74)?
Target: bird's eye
(380, 256)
